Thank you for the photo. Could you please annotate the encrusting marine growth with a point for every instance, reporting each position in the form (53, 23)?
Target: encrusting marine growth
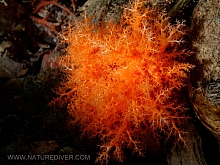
(122, 79)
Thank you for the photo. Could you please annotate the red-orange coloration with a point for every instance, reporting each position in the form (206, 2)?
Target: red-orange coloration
(122, 79)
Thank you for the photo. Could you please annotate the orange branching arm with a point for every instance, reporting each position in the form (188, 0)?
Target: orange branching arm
(44, 21)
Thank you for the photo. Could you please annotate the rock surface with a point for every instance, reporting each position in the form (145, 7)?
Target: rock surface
(206, 44)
